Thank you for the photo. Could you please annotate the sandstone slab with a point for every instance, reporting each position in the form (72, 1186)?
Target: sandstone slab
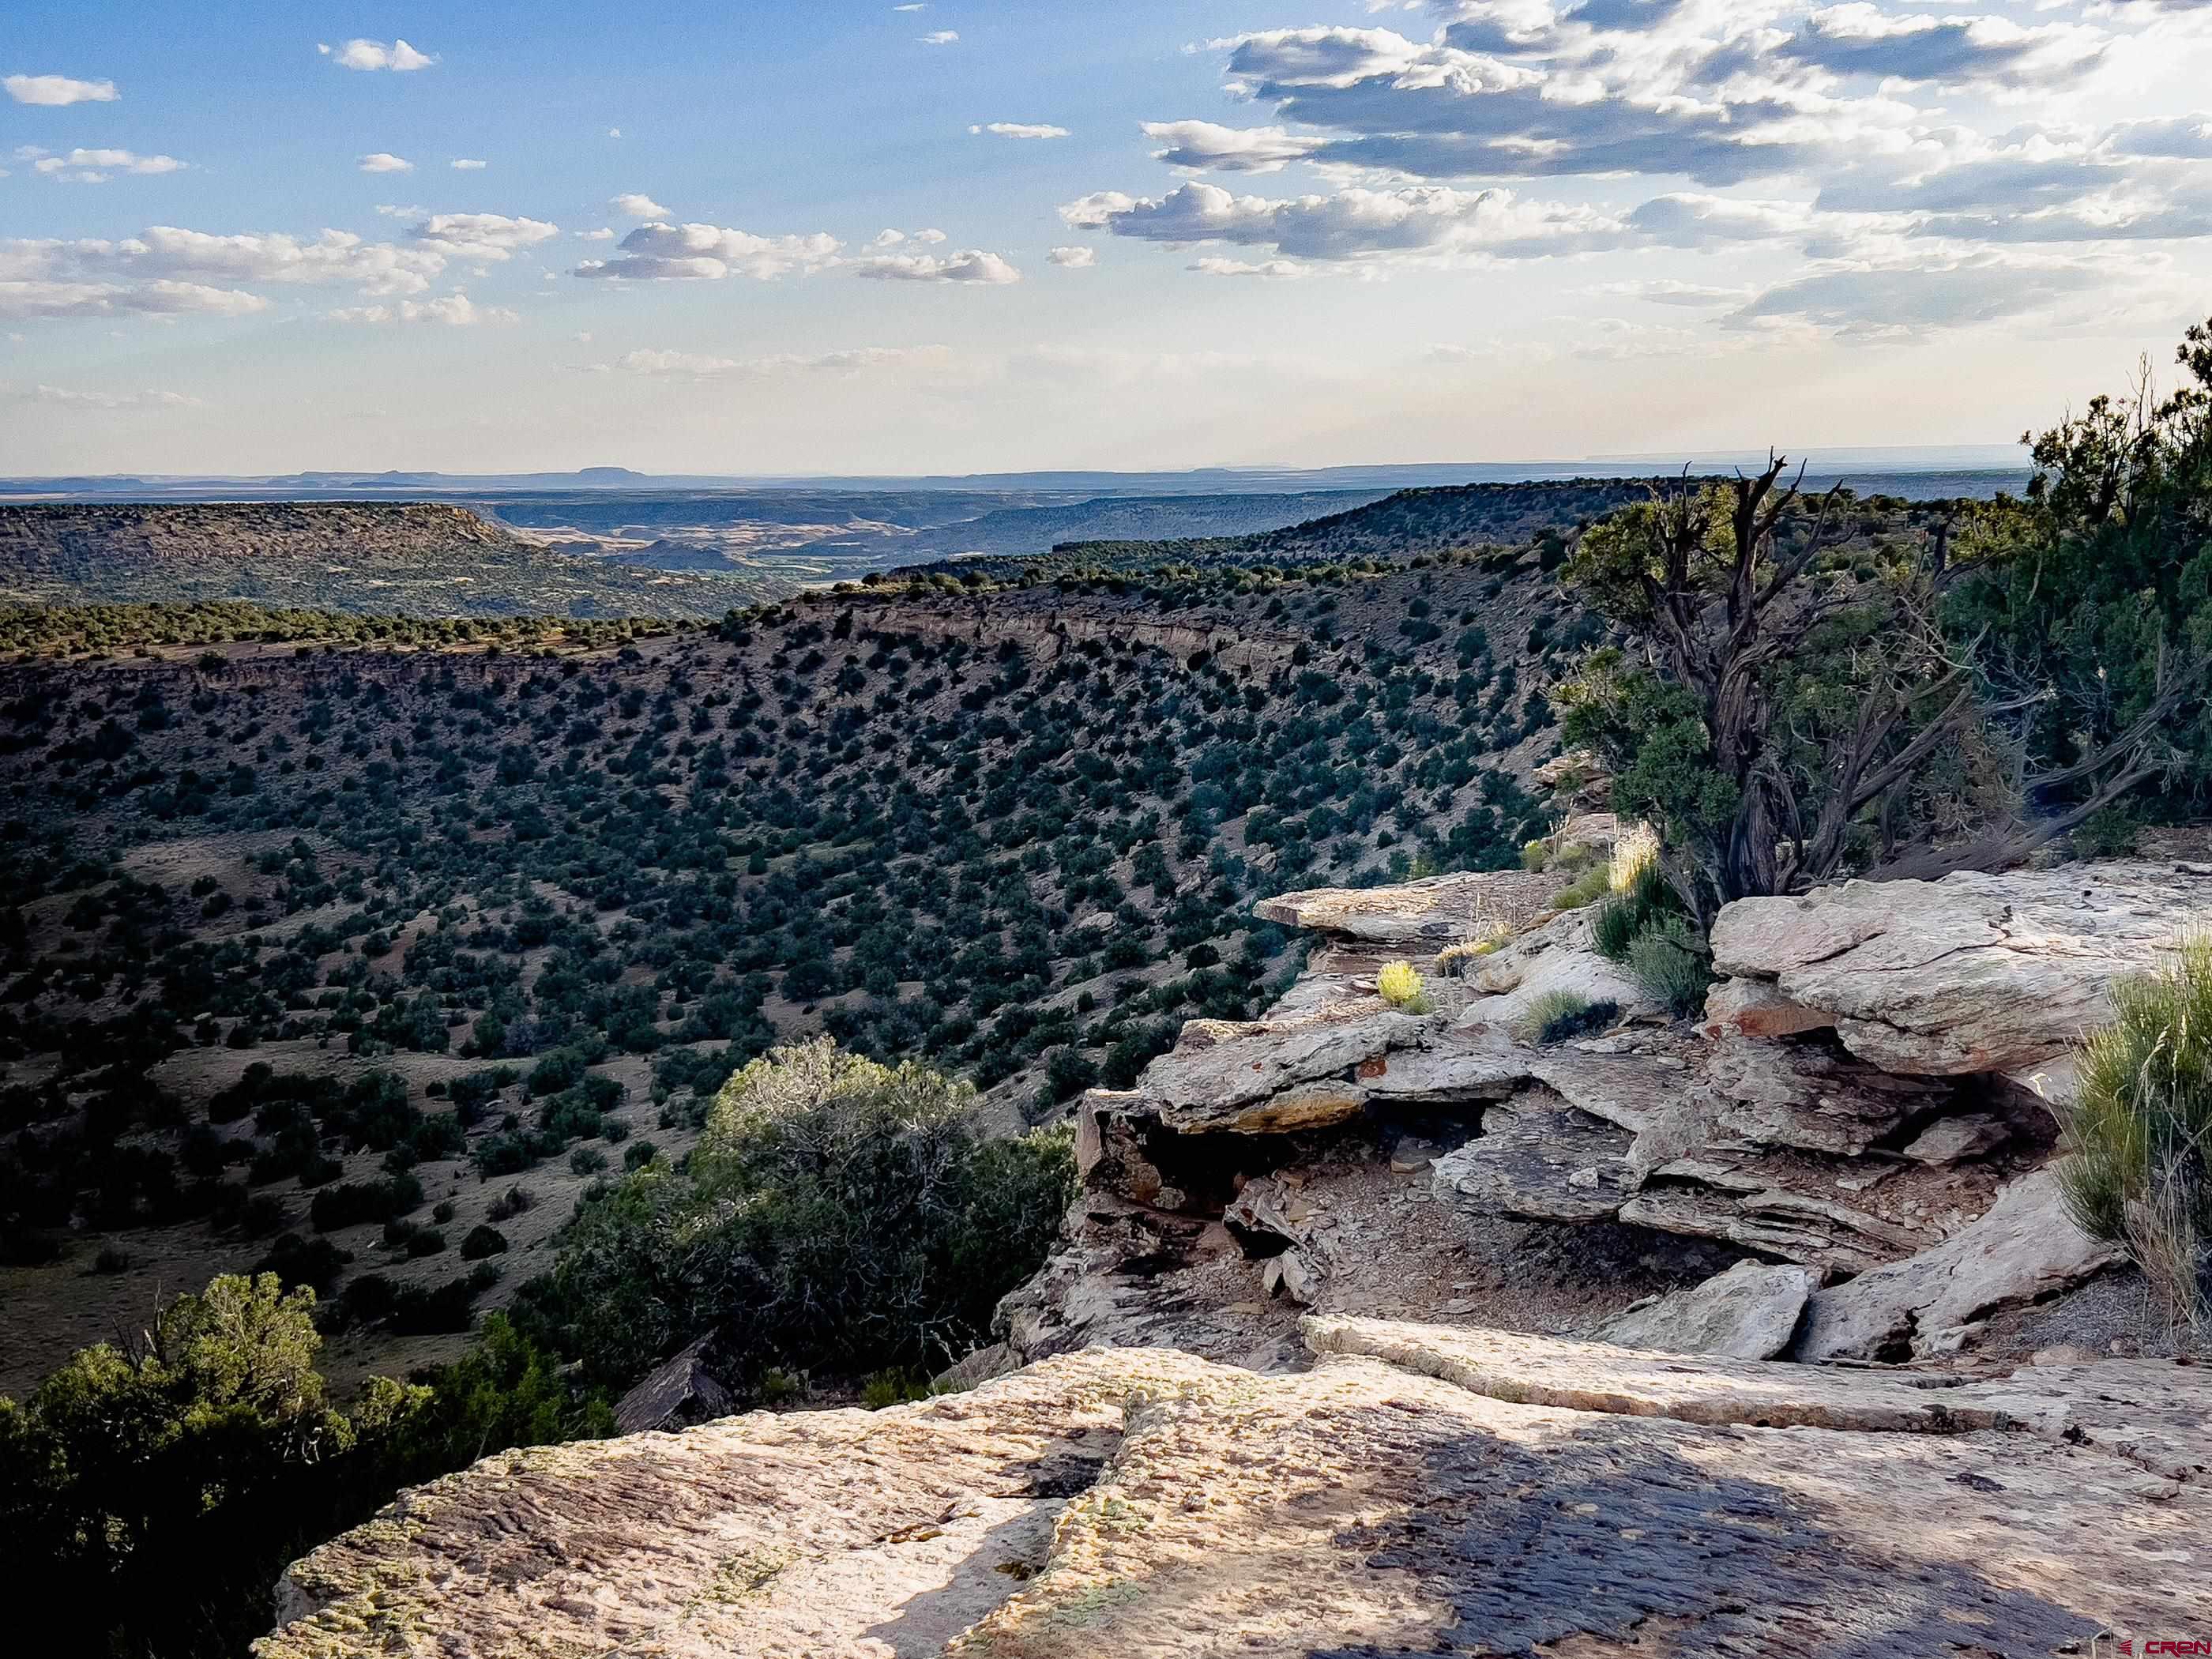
(2024, 1248)
(1271, 1075)
(1973, 973)
(1804, 1095)
(1752, 1008)
(1749, 1312)
(1742, 1207)
(1432, 912)
(1421, 1490)
(846, 1532)
(1539, 1159)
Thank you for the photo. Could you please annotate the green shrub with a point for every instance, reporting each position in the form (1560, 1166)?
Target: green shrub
(2140, 1127)
(364, 1201)
(513, 1202)
(838, 1216)
(1593, 884)
(483, 1241)
(2110, 832)
(1648, 899)
(1672, 964)
(1558, 1015)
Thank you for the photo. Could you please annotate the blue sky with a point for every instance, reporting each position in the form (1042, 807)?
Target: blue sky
(828, 238)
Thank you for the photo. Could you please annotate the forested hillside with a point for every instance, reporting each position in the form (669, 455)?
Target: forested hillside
(305, 939)
(378, 558)
(1410, 524)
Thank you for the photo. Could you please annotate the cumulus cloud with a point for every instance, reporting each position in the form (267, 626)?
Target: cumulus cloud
(686, 365)
(483, 237)
(1273, 270)
(1203, 147)
(1429, 221)
(635, 204)
(2188, 137)
(95, 167)
(1861, 39)
(160, 297)
(373, 55)
(58, 89)
(168, 270)
(1073, 258)
(385, 161)
(940, 38)
(454, 310)
(466, 164)
(660, 252)
(1690, 219)
(970, 265)
(1019, 129)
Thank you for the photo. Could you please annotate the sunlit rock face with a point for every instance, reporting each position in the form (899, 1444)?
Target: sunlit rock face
(1419, 1490)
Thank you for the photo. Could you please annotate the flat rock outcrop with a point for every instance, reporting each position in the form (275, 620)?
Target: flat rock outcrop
(1973, 973)
(1432, 912)
(1540, 1160)
(1749, 1312)
(1799, 1123)
(1265, 1076)
(1419, 1490)
(2024, 1248)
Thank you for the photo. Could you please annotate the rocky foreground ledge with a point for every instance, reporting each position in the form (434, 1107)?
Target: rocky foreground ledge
(1420, 1490)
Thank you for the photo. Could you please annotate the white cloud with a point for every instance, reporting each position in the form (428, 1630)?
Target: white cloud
(922, 7)
(940, 38)
(603, 234)
(614, 132)
(1424, 221)
(686, 365)
(1273, 269)
(167, 270)
(58, 89)
(1019, 129)
(1073, 258)
(95, 167)
(163, 297)
(1201, 146)
(371, 55)
(969, 265)
(666, 252)
(636, 206)
(484, 237)
(385, 161)
(148, 399)
(454, 310)
(466, 164)
(1906, 299)
(1860, 39)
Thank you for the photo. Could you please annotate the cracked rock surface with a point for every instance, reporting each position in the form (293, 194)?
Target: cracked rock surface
(1973, 973)
(1417, 1492)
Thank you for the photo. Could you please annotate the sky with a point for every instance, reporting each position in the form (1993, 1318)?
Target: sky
(838, 237)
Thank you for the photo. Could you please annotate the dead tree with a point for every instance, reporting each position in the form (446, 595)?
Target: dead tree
(1724, 609)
